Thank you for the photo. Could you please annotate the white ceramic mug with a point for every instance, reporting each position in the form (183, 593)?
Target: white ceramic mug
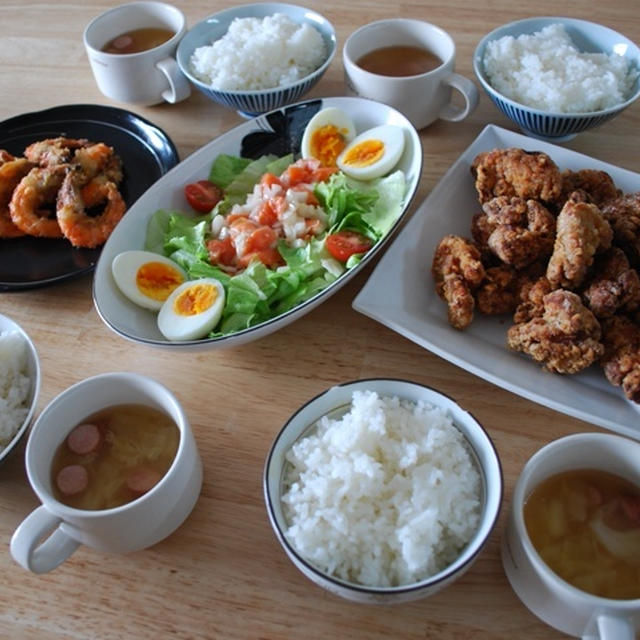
(423, 98)
(144, 78)
(548, 596)
(130, 527)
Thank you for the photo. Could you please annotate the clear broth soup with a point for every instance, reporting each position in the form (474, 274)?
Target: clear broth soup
(585, 524)
(138, 40)
(399, 61)
(114, 456)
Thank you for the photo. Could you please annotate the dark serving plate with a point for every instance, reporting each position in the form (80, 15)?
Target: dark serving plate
(147, 153)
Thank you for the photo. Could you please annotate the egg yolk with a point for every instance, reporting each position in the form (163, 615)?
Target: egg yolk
(195, 299)
(157, 280)
(364, 154)
(327, 143)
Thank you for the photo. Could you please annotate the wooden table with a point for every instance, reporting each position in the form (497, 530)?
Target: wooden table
(223, 574)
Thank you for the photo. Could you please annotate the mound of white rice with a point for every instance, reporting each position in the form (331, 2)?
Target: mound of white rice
(15, 385)
(259, 54)
(384, 496)
(546, 71)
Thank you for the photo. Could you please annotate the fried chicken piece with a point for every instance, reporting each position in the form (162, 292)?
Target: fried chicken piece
(517, 231)
(621, 359)
(614, 287)
(516, 173)
(531, 300)
(597, 186)
(623, 215)
(501, 289)
(565, 338)
(457, 271)
(581, 230)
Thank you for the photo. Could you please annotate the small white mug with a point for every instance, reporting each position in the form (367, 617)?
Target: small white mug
(422, 98)
(548, 596)
(130, 527)
(145, 78)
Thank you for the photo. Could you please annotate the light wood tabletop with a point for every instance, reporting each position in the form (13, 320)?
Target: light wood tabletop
(223, 574)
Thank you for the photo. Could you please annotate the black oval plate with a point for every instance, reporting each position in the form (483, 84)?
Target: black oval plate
(147, 153)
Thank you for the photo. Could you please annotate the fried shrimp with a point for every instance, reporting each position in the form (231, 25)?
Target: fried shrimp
(99, 159)
(54, 151)
(11, 172)
(28, 205)
(75, 197)
(5, 156)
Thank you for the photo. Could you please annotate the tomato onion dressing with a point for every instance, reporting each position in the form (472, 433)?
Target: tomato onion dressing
(279, 207)
(113, 457)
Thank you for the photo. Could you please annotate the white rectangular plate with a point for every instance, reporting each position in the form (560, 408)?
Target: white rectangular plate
(400, 294)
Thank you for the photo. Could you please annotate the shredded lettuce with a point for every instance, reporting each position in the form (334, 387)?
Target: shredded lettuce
(258, 293)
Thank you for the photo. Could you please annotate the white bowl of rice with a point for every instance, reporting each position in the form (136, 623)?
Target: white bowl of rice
(19, 384)
(257, 57)
(556, 77)
(382, 490)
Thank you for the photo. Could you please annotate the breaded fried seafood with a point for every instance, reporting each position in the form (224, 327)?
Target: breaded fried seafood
(516, 173)
(565, 338)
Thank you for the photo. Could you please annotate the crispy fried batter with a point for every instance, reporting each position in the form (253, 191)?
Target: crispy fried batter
(516, 172)
(623, 215)
(598, 186)
(621, 359)
(581, 230)
(565, 338)
(457, 270)
(531, 300)
(519, 231)
(614, 287)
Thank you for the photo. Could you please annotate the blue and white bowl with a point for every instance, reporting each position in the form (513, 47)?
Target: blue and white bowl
(253, 102)
(588, 37)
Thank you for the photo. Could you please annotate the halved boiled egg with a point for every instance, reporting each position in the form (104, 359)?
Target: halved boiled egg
(146, 278)
(373, 153)
(192, 310)
(326, 135)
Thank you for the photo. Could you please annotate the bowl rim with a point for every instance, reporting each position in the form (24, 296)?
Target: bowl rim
(544, 21)
(469, 552)
(7, 324)
(231, 11)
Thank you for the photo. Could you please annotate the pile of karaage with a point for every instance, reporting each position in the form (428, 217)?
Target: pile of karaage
(560, 252)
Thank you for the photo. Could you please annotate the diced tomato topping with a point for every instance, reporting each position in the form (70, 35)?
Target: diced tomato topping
(221, 251)
(269, 257)
(343, 244)
(267, 215)
(261, 238)
(269, 180)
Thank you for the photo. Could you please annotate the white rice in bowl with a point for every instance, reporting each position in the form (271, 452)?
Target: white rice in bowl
(260, 53)
(386, 495)
(546, 71)
(15, 385)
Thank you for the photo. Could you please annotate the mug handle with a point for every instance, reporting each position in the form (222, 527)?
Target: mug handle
(37, 555)
(611, 627)
(470, 94)
(179, 87)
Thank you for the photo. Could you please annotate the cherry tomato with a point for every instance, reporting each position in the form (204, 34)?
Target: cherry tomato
(343, 244)
(202, 195)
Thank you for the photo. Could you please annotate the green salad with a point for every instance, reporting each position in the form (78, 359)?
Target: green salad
(333, 211)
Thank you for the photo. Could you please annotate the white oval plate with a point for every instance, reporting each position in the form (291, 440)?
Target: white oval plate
(278, 132)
